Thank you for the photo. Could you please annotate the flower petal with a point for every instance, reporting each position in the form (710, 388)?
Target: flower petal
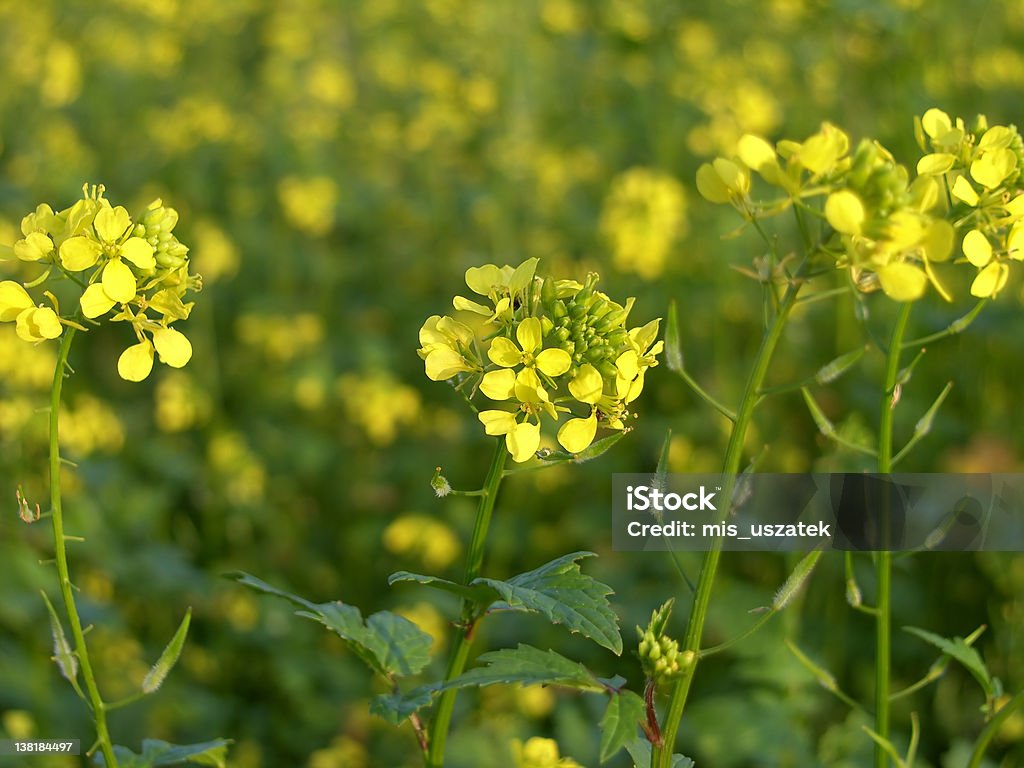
(173, 346)
(463, 304)
(990, 280)
(554, 362)
(111, 223)
(443, 362)
(484, 279)
(902, 281)
(528, 388)
(13, 300)
(504, 353)
(78, 253)
(34, 247)
(37, 324)
(523, 441)
(962, 190)
(845, 212)
(497, 422)
(136, 362)
(977, 248)
(588, 384)
(138, 252)
(577, 434)
(499, 385)
(530, 334)
(119, 281)
(95, 302)
(628, 364)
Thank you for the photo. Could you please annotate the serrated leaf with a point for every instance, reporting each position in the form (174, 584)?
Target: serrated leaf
(673, 349)
(560, 592)
(157, 753)
(392, 644)
(168, 658)
(526, 665)
(386, 642)
(640, 750)
(480, 595)
(66, 660)
(958, 649)
(618, 725)
(396, 707)
(595, 449)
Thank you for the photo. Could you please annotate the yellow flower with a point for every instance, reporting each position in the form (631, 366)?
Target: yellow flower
(445, 343)
(540, 753)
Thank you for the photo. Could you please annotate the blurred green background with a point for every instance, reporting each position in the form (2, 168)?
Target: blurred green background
(337, 166)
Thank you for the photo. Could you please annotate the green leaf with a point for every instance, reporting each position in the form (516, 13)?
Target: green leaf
(618, 726)
(640, 750)
(62, 653)
(390, 643)
(564, 595)
(261, 586)
(386, 642)
(156, 753)
(168, 658)
(958, 649)
(480, 595)
(673, 349)
(595, 449)
(527, 665)
(396, 707)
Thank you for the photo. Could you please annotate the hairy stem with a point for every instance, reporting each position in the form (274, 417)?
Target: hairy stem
(460, 650)
(661, 757)
(99, 707)
(883, 559)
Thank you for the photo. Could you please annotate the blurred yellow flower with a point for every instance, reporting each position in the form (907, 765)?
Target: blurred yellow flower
(308, 203)
(414, 535)
(540, 753)
(379, 404)
(644, 215)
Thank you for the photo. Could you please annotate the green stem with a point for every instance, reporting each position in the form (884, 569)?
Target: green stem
(993, 728)
(99, 707)
(883, 559)
(464, 639)
(661, 757)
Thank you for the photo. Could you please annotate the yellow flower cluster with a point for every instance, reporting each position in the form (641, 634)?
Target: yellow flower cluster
(545, 347)
(136, 267)
(888, 228)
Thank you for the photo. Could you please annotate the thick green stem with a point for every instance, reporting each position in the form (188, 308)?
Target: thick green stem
(883, 559)
(99, 707)
(662, 757)
(464, 639)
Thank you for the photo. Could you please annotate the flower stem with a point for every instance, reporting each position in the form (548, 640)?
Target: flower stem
(98, 706)
(883, 559)
(661, 757)
(464, 639)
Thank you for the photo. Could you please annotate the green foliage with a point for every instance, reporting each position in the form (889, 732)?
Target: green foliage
(389, 644)
(156, 753)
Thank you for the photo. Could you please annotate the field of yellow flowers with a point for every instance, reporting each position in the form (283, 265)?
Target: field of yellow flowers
(335, 168)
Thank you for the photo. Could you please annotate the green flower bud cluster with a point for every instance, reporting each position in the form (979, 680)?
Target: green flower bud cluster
(125, 267)
(545, 347)
(888, 227)
(587, 325)
(659, 654)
